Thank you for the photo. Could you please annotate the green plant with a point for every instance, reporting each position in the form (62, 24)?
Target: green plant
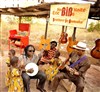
(91, 27)
(97, 26)
(27, 19)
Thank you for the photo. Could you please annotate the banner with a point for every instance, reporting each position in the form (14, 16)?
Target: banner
(74, 15)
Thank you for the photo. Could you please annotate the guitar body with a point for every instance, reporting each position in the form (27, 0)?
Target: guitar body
(45, 42)
(63, 38)
(95, 52)
(70, 44)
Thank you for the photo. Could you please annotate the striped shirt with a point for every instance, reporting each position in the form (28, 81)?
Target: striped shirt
(45, 59)
(51, 53)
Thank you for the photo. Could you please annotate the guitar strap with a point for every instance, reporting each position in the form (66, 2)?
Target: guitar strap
(78, 61)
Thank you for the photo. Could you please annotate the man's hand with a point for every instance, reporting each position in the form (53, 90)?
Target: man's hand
(30, 70)
(76, 73)
(22, 66)
(62, 66)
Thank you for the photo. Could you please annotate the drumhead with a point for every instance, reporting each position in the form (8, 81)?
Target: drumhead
(35, 68)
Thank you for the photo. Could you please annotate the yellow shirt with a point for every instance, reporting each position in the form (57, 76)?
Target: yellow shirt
(56, 62)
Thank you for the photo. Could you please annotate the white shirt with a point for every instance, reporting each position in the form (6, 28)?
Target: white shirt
(25, 60)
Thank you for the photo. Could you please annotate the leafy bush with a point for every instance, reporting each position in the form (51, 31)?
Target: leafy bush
(26, 19)
(93, 27)
(97, 26)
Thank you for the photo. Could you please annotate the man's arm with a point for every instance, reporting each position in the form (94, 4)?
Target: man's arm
(84, 66)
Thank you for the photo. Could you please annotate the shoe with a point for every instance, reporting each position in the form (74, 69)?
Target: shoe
(42, 90)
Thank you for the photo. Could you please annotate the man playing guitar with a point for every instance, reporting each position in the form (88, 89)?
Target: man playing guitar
(80, 63)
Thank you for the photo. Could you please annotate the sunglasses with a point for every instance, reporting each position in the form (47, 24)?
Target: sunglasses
(31, 50)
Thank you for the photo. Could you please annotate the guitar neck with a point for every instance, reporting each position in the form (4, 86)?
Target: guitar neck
(61, 66)
(40, 54)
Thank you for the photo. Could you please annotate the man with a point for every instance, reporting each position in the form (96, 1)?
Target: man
(29, 57)
(77, 76)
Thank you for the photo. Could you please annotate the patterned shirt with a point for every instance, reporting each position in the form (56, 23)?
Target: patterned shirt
(51, 53)
(56, 62)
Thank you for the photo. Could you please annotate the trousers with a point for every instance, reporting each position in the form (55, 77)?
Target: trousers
(77, 80)
(26, 80)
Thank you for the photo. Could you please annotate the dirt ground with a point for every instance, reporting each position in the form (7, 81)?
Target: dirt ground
(92, 78)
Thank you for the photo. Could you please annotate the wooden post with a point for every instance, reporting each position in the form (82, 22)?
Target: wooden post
(63, 28)
(2, 53)
(74, 34)
(47, 21)
(20, 19)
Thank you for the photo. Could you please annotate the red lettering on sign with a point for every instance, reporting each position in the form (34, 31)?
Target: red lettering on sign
(67, 11)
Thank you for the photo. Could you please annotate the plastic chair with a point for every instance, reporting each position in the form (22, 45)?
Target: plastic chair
(12, 33)
(20, 38)
(11, 38)
(24, 27)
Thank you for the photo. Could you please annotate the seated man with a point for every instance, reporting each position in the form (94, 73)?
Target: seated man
(30, 57)
(80, 63)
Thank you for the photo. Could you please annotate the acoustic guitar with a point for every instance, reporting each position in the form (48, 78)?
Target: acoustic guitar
(63, 37)
(44, 40)
(71, 41)
(95, 52)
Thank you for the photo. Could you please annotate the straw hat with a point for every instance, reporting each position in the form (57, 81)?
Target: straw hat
(80, 46)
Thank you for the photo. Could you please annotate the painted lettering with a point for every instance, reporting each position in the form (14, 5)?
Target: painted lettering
(67, 11)
(55, 13)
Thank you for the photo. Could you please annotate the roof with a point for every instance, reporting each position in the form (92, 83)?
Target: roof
(43, 10)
